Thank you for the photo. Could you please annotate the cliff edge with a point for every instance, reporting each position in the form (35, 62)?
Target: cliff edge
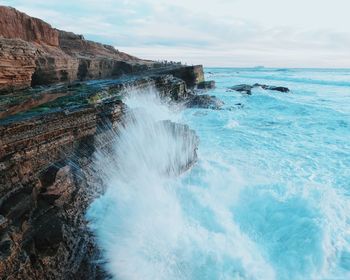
(33, 53)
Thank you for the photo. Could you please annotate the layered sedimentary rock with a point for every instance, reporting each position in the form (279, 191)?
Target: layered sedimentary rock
(168, 86)
(33, 53)
(45, 191)
(47, 182)
(48, 136)
(17, 64)
(14, 24)
(192, 75)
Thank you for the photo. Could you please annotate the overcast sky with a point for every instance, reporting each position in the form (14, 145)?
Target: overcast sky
(275, 33)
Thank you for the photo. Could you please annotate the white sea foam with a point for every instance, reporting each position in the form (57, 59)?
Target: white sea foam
(143, 223)
(270, 201)
(232, 124)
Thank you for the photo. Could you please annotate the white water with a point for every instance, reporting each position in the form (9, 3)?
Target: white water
(267, 199)
(140, 221)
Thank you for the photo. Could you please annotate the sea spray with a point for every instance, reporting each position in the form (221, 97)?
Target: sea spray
(266, 199)
(139, 219)
(151, 224)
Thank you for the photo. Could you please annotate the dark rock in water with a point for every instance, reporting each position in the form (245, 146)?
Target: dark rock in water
(206, 85)
(247, 89)
(239, 105)
(281, 89)
(275, 88)
(204, 101)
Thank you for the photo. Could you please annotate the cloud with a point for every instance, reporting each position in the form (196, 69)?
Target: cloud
(236, 32)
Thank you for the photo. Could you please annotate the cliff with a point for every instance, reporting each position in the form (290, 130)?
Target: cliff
(48, 135)
(14, 24)
(33, 53)
(47, 182)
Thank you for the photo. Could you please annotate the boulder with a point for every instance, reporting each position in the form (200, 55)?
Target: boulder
(247, 89)
(275, 88)
(206, 85)
(204, 101)
(192, 75)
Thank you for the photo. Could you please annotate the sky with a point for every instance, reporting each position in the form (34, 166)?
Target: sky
(223, 33)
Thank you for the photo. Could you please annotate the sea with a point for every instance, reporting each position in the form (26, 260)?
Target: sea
(267, 198)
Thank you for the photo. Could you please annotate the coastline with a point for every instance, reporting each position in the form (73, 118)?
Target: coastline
(49, 126)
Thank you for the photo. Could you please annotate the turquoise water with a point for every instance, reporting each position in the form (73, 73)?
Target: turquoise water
(269, 197)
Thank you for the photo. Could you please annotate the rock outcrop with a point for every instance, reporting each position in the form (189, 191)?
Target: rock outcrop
(46, 177)
(192, 75)
(247, 89)
(204, 101)
(14, 24)
(274, 88)
(17, 64)
(206, 85)
(33, 53)
(43, 200)
(48, 135)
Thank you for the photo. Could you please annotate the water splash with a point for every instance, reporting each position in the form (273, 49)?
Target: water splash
(267, 199)
(138, 220)
(145, 223)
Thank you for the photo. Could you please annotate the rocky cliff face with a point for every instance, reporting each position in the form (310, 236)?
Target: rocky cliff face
(48, 136)
(47, 181)
(45, 190)
(17, 64)
(14, 24)
(33, 53)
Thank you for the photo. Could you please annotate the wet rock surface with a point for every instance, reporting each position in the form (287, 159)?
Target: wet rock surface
(275, 88)
(247, 89)
(191, 75)
(204, 101)
(44, 100)
(206, 85)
